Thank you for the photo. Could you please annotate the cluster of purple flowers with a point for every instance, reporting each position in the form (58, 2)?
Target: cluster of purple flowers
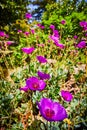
(50, 110)
(55, 37)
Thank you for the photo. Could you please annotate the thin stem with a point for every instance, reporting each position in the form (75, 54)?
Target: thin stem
(50, 125)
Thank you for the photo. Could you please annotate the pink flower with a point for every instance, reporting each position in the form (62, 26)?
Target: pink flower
(28, 50)
(40, 45)
(56, 33)
(51, 111)
(81, 44)
(26, 33)
(56, 42)
(52, 27)
(41, 59)
(2, 34)
(9, 42)
(19, 31)
(67, 96)
(83, 24)
(34, 84)
(43, 75)
(28, 16)
(32, 31)
(41, 26)
(86, 34)
(75, 36)
(6, 35)
(63, 22)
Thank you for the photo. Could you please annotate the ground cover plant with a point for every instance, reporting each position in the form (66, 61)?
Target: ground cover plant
(43, 74)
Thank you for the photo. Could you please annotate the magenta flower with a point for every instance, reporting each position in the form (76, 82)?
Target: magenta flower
(41, 59)
(67, 96)
(52, 27)
(51, 111)
(43, 75)
(6, 35)
(25, 88)
(41, 26)
(85, 28)
(86, 34)
(34, 84)
(19, 31)
(63, 22)
(75, 37)
(40, 45)
(81, 44)
(2, 34)
(56, 33)
(28, 50)
(9, 42)
(32, 31)
(83, 24)
(56, 42)
(28, 16)
(26, 33)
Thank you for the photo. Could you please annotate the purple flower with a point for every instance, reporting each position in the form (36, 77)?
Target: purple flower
(6, 35)
(25, 88)
(41, 59)
(52, 27)
(32, 31)
(26, 33)
(9, 42)
(28, 16)
(75, 36)
(83, 24)
(19, 31)
(56, 41)
(28, 50)
(2, 34)
(85, 28)
(34, 84)
(63, 22)
(43, 75)
(40, 45)
(41, 26)
(86, 34)
(81, 44)
(67, 96)
(51, 111)
(56, 33)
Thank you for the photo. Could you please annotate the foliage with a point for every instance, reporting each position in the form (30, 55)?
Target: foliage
(68, 11)
(11, 10)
